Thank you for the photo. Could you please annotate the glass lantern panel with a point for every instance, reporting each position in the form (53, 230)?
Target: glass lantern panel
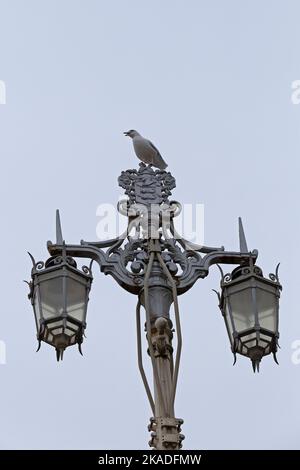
(228, 324)
(51, 292)
(228, 319)
(76, 299)
(266, 341)
(249, 340)
(243, 309)
(69, 332)
(267, 348)
(37, 308)
(57, 331)
(55, 324)
(267, 309)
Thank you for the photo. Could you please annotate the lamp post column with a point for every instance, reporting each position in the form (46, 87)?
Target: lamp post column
(157, 298)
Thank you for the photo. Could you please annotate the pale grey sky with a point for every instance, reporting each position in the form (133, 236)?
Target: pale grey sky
(210, 83)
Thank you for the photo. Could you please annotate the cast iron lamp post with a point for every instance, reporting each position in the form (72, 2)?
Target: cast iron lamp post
(152, 261)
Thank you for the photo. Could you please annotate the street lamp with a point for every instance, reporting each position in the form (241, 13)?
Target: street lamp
(59, 293)
(250, 305)
(155, 263)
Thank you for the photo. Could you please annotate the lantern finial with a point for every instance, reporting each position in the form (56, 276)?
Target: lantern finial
(243, 243)
(59, 237)
(255, 365)
(59, 354)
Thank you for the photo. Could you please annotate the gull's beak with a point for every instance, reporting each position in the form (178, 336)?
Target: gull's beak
(125, 133)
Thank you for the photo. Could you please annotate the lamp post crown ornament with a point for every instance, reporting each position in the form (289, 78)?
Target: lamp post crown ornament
(146, 185)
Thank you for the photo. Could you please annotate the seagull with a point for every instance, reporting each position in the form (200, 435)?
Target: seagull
(145, 150)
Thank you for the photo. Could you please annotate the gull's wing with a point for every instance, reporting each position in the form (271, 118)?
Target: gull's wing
(154, 148)
(159, 161)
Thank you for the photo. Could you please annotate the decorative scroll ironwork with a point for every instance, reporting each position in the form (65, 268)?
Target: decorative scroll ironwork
(126, 257)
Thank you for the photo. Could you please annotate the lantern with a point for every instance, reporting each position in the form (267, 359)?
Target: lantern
(249, 303)
(59, 293)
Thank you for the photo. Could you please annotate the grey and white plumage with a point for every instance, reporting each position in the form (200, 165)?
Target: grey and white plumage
(145, 150)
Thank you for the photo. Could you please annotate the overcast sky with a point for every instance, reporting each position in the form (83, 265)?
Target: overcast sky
(210, 83)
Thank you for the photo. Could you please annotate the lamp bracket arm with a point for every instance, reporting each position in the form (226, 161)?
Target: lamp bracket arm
(229, 257)
(198, 267)
(109, 263)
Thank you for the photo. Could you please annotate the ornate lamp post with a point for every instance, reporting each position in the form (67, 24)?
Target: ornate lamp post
(145, 261)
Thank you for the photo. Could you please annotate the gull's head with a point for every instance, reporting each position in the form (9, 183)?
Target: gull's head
(132, 133)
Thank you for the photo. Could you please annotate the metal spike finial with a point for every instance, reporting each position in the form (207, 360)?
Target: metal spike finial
(275, 358)
(32, 259)
(255, 365)
(59, 237)
(218, 294)
(59, 354)
(243, 243)
(221, 271)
